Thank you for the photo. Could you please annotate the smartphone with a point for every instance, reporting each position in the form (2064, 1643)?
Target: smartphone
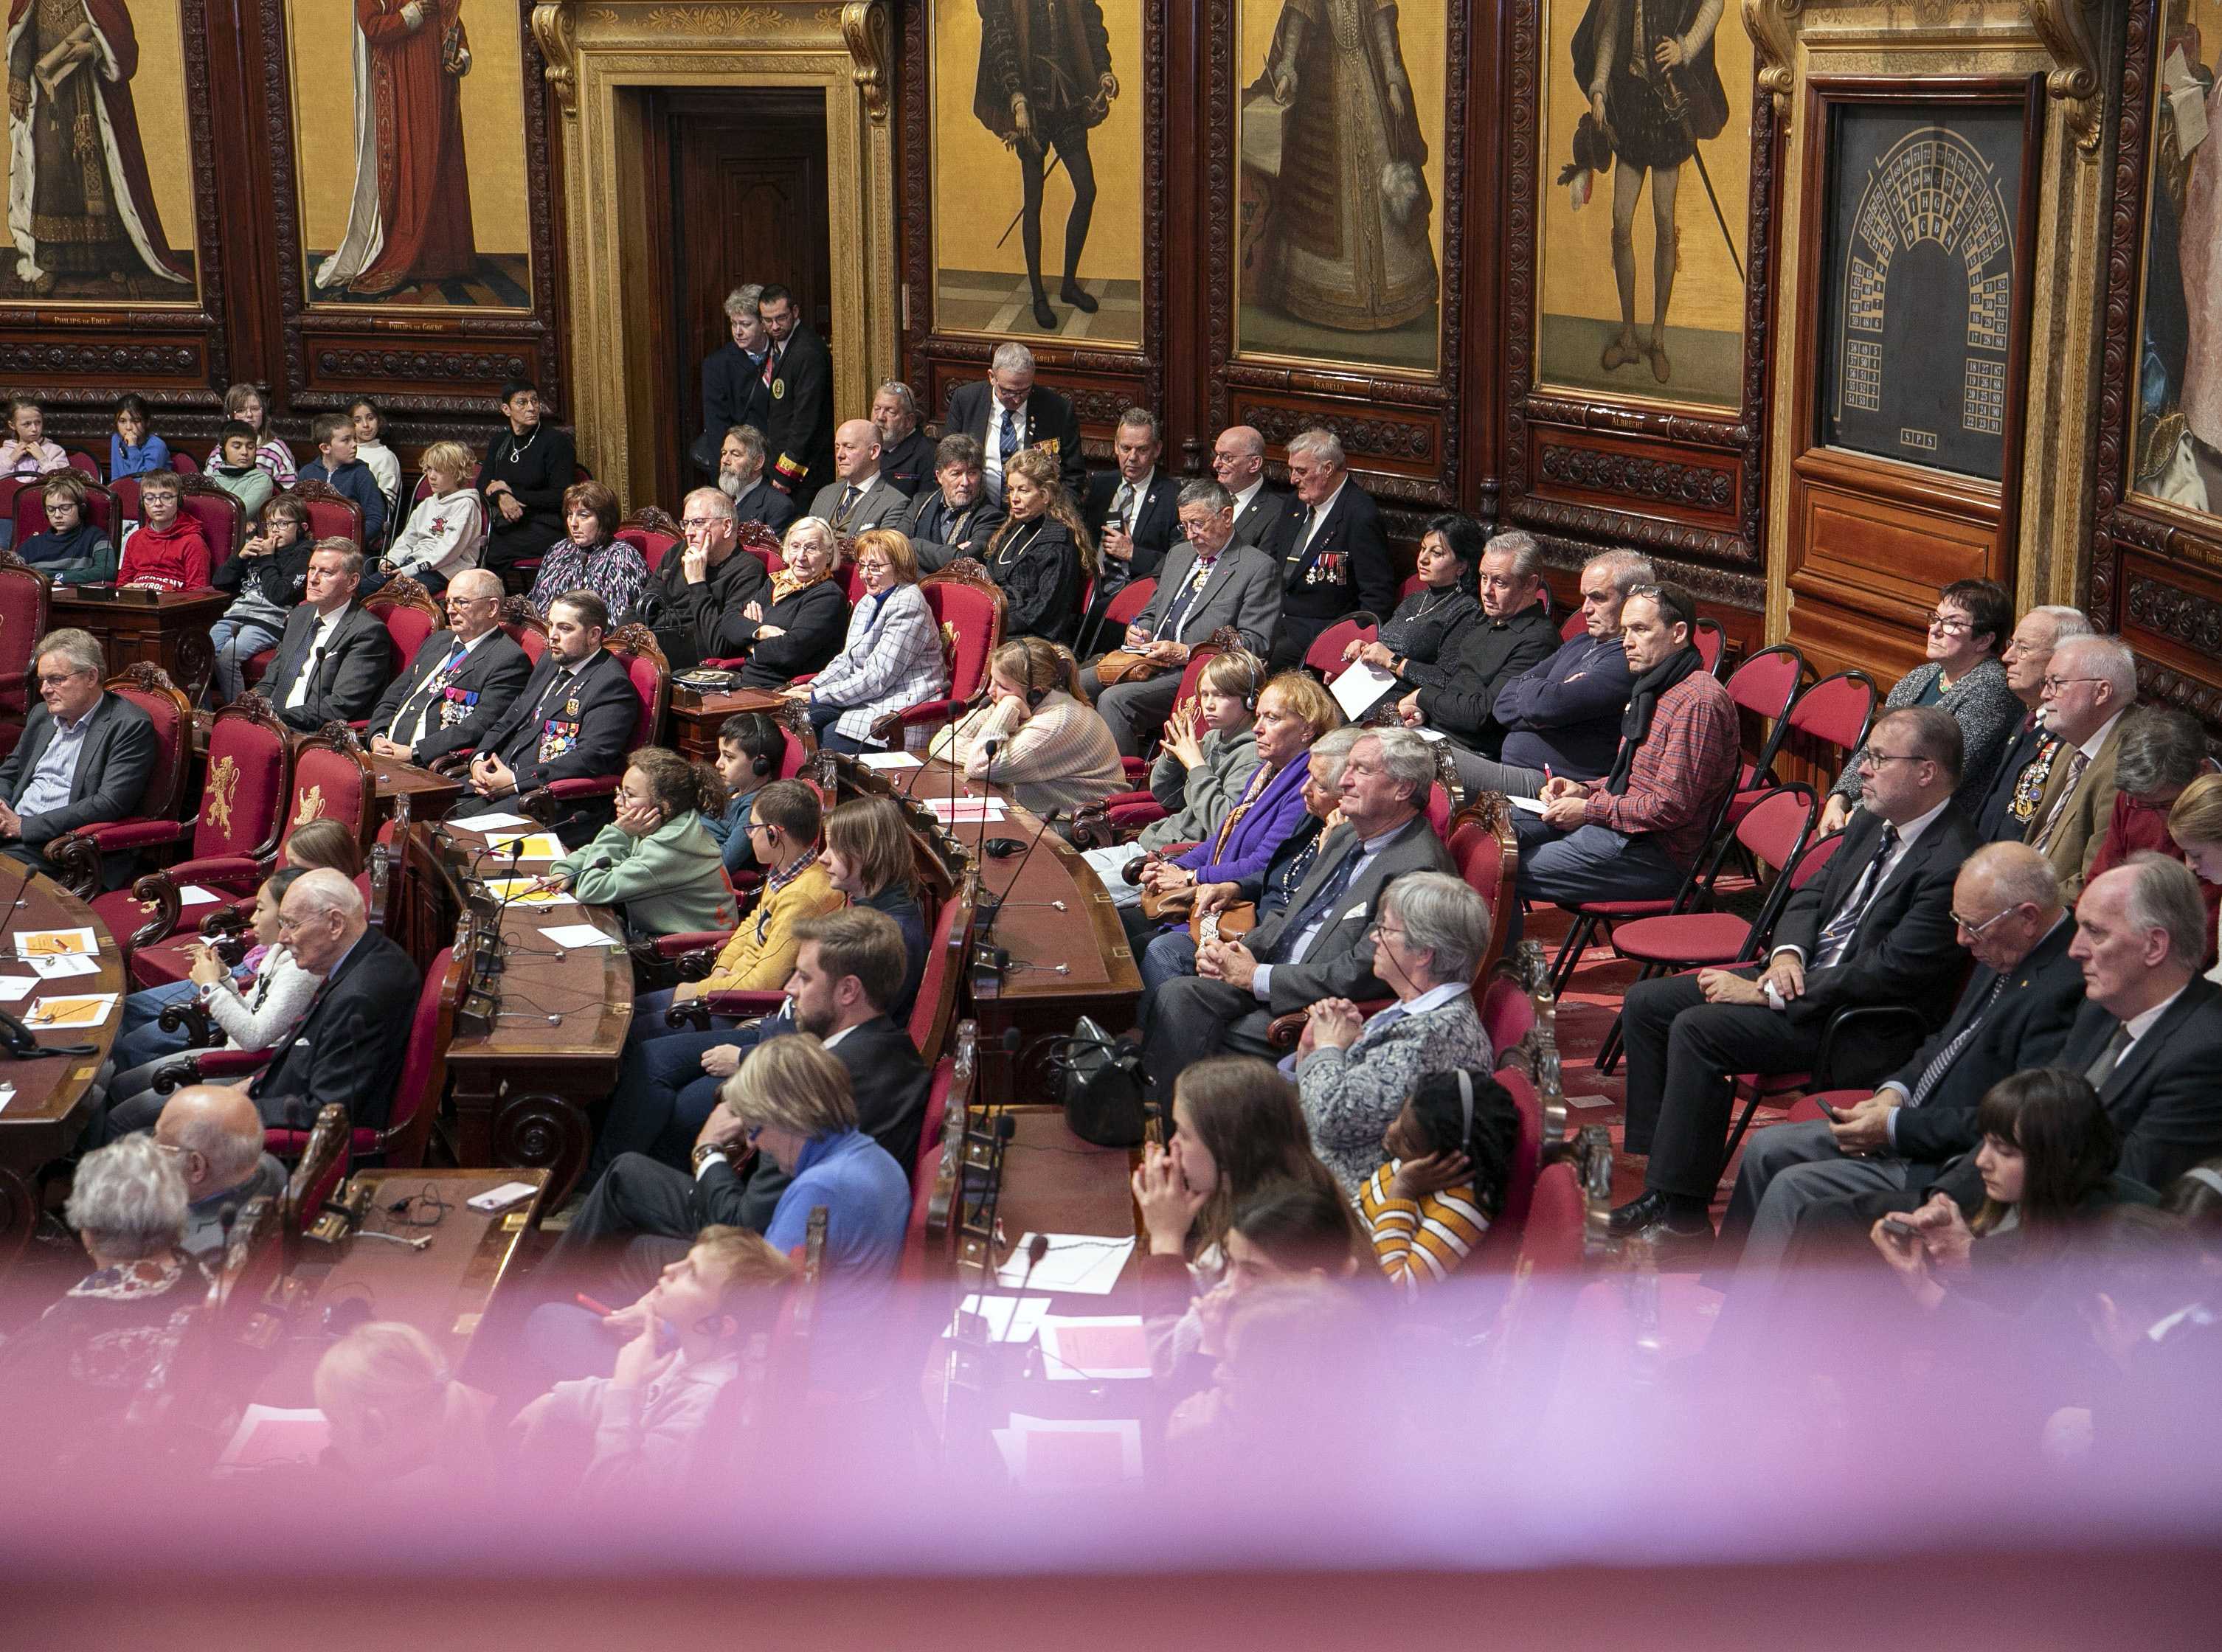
(1901, 1227)
(1829, 1112)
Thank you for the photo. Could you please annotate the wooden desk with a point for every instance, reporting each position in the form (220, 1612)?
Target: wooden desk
(43, 1121)
(1054, 1182)
(521, 1092)
(172, 632)
(430, 796)
(443, 1290)
(696, 718)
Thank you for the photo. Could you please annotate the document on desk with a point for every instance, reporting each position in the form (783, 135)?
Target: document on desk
(890, 760)
(53, 943)
(579, 935)
(490, 824)
(969, 811)
(91, 1010)
(1088, 1264)
(1010, 1319)
(59, 965)
(1094, 1350)
(519, 891)
(269, 1436)
(1360, 688)
(12, 987)
(1063, 1454)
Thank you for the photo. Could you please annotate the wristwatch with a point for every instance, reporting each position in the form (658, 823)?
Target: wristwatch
(707, 1151)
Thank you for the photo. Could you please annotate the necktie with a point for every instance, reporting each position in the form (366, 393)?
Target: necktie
(405, 727)
(1006, 447)
(1169, 626)
(849, 496)
(2043, 837)
(2102, 1069)
(771, 364)
(1838, 933)
(1328, 893)
(1121, 505)
(1933, 1074)
(299, 695)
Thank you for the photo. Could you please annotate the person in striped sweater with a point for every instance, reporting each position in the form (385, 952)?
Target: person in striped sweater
(1450, 1154)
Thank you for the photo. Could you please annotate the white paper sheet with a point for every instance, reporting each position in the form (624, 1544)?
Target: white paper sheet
(90, 1009)
(62, 966)
(1357, 690)
(38, 943)
(7, 1095)
(890, 760)
(268, 1437)
(491, 823)
(579, 935)
(12, 987)
(1086, 1263)
(194, 895)
(966, 810)
(1010, 1319)
(1094, 1350)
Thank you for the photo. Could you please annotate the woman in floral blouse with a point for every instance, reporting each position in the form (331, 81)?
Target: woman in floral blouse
(592, 559)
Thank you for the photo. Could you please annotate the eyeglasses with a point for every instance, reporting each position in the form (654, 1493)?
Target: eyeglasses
(54, 679)
(1380, 927)
(1874, 758)
(2054, 684)
(1950, 624)
(699, 524)
(1974, 929)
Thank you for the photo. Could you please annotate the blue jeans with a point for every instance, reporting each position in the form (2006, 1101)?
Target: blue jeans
(1169, 955)
(142, 1039)
(649, 1078)
(236, 642)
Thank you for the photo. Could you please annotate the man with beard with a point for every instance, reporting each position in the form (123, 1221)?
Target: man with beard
(957, 518)
(741, 479)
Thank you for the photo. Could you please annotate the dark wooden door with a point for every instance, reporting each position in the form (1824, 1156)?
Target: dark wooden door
(742, 177)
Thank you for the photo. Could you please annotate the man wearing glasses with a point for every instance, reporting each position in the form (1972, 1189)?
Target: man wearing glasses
(702, 584)
(85, 755)
(1875, 928)
(459, 684)
(2090, 681)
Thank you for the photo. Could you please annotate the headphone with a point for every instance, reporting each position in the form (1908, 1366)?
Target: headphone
(1253, 688)
(760, 764)
(1035, 696)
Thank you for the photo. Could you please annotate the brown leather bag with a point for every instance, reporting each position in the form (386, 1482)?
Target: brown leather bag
(1228, 923)
(1127, 665)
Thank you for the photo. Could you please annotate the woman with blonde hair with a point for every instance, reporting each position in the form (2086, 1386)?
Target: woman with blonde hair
(2194, 823)
(1042, 555)
(1036, 734)
(398, 1416)
(892, 658)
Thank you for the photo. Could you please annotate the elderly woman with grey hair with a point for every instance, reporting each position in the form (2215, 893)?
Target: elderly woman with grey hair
(2160, 753)
(67, 1377)
(1354, 1073)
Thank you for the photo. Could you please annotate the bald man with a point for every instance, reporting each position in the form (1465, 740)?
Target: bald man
(862, 498)
(217, 1135)
(1238, 460)
(461, 683)
(350, 1048)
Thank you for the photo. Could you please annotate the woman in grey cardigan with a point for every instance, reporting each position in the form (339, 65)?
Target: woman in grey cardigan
(1353, 1075)
(1207, 758)
(1974, 619)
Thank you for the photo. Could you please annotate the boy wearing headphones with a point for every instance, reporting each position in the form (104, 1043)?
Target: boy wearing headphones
(750, 747)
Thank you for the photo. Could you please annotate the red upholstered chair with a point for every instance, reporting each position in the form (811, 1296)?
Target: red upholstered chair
(1712, 644)
(184, 463)
(86, 465)
(223, 524)
(758, 539)
(1413, 584)
(242, 816)
(1124, 609)
(1507, 1013)
(1502, 1239)
(650, 671)
(968, 606)
(1123, 814)
(1488, 857)
(933, 1013)
(1325, 656)
(650, 531)
(31, 511)
(410, 616)
(852, 577)
(332, 515)
(124, 490)
(76, 855)
(524, 627)
(25, 595)
(1572, 626)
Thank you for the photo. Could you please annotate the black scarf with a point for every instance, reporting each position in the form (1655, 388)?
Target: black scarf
(1642, 701)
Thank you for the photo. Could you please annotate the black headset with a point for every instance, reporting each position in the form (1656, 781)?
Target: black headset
(1036, 696)
(1253, 688)
(764, 729)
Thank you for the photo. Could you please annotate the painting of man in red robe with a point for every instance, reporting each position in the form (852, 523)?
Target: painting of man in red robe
(409, 220)
(79, 210)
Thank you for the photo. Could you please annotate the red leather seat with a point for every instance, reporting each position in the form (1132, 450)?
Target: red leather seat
(223, 524)
(25, 594)
(1325, 656)
(31, 511)
(417, 1092)
(332, 515)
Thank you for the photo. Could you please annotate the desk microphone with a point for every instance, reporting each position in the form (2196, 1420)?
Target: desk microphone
(1037, 1248)
(996, 907)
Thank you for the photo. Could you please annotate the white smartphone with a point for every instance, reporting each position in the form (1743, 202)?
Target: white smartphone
(498, 1198)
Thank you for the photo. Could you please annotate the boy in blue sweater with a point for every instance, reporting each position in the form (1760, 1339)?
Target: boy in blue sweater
(338, 466)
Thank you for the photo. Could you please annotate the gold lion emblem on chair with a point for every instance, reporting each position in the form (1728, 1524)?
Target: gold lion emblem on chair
(223, 781)
(949, 643)
(312, 805)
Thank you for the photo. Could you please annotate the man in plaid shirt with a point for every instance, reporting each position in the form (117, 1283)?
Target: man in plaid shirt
(1633, 834)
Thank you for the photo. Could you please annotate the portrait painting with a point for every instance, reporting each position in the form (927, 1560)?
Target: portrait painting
(409, 153)
(1340, 250)
(100, 207)
(1645, 181)
(1037, 155)
(2175, 455)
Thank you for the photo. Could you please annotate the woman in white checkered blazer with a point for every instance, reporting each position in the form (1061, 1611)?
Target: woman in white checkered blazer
(893, 655)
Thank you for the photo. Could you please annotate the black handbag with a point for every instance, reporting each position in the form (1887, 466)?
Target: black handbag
(1105, 1096)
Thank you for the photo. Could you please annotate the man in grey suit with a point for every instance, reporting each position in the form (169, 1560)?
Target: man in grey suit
(1207, 582)
(1238, 460)
(1322, 944)
(336, 655)
(85, 755)
(862, 498)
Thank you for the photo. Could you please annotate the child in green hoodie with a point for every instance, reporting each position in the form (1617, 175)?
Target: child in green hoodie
(664, 868)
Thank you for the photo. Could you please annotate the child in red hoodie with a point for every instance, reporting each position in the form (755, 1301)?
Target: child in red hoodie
(168, 553)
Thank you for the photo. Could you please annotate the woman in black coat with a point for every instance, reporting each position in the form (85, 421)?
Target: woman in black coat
(523, 479)
(1041, 556)
(806, 622)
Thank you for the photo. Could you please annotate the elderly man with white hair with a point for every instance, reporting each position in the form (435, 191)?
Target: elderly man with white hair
(2091, 682)
(350, 1046)
(461, 682)
(695, 597)
(1331, 552)
(1011, 413)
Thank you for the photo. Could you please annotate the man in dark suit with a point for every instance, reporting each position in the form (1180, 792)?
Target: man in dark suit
(905, 451)
(1875, 928)
(1322, 946)
(336, 654)
(1238, 460)
(955, 517)
(1208, 583)
(858, 497)
(2010, 802)
(1333, 555)
(2015, 1012)
(848, 965)
(462, 681)
(798, 374)
(350, 1046)
(734, 391)
(741, 479)
(573, 721)
(86, 755)
(1010, 412)
(1133, 511)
